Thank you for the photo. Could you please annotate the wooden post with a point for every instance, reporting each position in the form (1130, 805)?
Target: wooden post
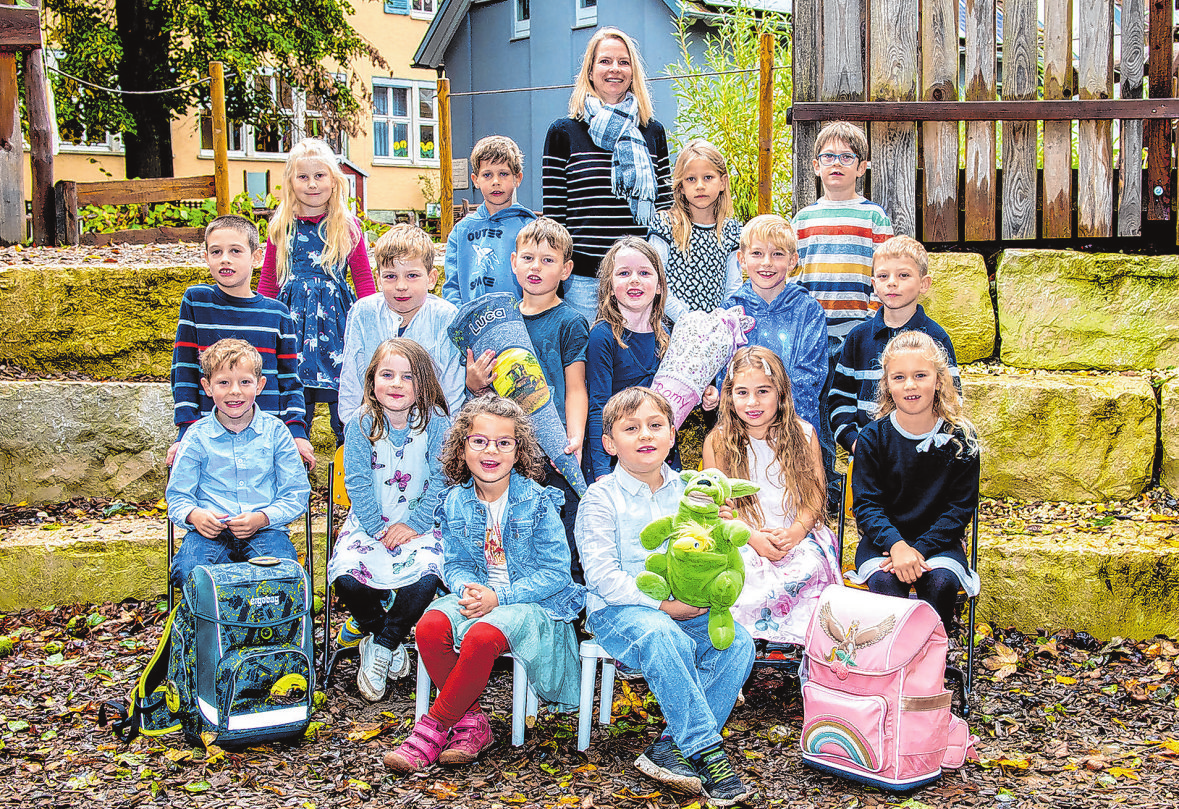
(765, 124)
(445, 167)
(1159, 192)
(65, 195)
(220, 137)
(40, 146)
(12, 178)
(804, 69)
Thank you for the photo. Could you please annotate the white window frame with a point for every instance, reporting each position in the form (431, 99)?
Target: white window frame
(112, 143)
(585, 13)
(414, 121)
(423, 14)
(247, 133)
(521, 28)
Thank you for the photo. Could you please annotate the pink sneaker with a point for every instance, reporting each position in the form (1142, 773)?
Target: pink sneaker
(470, 736)
(420, 749)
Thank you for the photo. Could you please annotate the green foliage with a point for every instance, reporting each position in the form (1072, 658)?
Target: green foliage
(723, 109)
(110, 218)
(294, 38)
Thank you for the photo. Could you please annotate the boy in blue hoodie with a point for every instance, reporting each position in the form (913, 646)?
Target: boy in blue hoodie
(790, 322)
(479, 249)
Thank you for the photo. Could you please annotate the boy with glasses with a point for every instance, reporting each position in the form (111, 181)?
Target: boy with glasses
(837, 236)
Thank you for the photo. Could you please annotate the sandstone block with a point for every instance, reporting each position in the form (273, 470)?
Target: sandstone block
(1065, 310)
(60, 440)
(103, 320)
(1169, 432)
(960, 302)
(1062, 436)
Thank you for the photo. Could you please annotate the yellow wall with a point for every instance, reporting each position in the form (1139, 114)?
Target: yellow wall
(395, 36)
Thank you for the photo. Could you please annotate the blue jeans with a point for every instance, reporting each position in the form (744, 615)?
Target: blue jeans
(200, 550)
(826, 436)
(581, 293)
(695, 683)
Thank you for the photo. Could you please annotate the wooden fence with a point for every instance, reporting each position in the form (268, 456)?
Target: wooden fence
(894, 64)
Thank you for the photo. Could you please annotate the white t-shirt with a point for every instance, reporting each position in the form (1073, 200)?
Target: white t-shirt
(493, 544)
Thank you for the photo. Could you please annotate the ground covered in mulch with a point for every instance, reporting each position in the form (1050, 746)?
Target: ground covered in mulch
(1066, 720)
(172, 254)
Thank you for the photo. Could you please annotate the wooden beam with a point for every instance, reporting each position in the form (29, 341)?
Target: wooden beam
(20, 29)
(148, 236)
(1159, 190)
(1095, 110)
(220, 137)
(445, 157)
(65, 198)
(40, 147)
(1133, 55)
(804, 70)
(981, 176)
(135, 192)
(765, 123)
(1057, 214)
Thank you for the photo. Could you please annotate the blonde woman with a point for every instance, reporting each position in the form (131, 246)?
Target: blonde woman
(605, 167)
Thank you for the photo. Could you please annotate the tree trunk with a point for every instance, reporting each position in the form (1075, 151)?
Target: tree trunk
(142, 28)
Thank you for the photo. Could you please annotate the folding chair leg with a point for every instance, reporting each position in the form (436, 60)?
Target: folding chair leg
(585, 712)
(607, 696)
(969, 689)
(519, 701)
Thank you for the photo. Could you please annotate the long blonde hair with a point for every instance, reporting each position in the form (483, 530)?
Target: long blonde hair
(608, 309)
(947, 404)
(339, 232)
(428, 397)
(786, 437)
(679, 214)
(583, 86)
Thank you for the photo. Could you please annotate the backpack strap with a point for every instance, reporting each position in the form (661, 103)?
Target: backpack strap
(960, 744)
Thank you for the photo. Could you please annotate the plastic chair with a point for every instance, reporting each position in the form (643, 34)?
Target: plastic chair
(965, 680)
(337, 496)
(591, 653)
(308, 563)
(524, 700)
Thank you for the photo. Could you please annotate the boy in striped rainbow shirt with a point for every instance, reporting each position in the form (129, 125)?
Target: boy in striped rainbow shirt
(837, 236)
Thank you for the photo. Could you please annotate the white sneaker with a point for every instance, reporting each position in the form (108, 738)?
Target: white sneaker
(374, 669)
(398, 664)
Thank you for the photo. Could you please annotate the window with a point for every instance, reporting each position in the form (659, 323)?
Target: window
(72, 135)
(521, 19)
(587, 13)
(405, 122)
(298, 116)
(423, 9)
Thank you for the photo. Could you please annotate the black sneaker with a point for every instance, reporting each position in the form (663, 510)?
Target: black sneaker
(664, 762)
(720, 783)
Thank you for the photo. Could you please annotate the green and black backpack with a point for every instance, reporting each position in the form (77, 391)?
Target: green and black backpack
(236, 659)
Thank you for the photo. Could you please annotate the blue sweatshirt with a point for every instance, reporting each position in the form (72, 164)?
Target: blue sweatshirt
(794, 327)
(479, 254)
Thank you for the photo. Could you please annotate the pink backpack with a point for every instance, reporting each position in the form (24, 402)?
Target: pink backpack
(875, 708)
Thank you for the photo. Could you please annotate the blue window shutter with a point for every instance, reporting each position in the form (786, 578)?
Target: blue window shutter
(396, 6)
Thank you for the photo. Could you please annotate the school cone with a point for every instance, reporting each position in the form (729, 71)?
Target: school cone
(702, 343)
(494, 321)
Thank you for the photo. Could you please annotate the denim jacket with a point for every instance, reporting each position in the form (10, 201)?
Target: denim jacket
(534, 544)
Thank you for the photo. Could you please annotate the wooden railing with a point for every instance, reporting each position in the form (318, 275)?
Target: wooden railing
(70, 195)
(894, 64)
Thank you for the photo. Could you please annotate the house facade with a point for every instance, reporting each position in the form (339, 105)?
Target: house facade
(396, 143)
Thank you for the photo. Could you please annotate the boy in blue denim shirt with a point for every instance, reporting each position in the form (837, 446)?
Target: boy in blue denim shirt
(695, 683)
(237, 478)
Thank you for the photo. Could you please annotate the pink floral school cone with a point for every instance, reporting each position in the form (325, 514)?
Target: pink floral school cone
(494, 321)
(702, 343)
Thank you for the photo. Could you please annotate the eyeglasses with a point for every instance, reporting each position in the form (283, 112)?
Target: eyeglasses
(847, 159)
(482, 442)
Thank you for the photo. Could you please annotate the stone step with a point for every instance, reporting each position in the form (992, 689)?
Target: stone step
(1123, 581)
(1046, 436)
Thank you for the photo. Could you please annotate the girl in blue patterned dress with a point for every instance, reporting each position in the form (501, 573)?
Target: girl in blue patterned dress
(388, 549)
(314, 242)
(697, 237)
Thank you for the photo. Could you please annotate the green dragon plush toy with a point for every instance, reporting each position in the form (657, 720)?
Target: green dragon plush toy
(701, 565)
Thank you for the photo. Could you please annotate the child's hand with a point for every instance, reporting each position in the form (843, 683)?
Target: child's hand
(306, 452)
(711, 398)
(479, 373)
(681, 611)
(396, 534)
(244, 526)
(574, 446)
(171, 456)
(763, 542)
(206, 523)
(906, 562)
(727, 511)
(787, 539)
(477, 601)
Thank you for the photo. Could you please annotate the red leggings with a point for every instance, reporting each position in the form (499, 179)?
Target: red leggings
(460, 677)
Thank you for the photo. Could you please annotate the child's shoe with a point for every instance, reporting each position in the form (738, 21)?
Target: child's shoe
(374, 669)
(717, 778)
(349, 634)
(663, 761)
(420, 749)
(469, 737)
(399, 663)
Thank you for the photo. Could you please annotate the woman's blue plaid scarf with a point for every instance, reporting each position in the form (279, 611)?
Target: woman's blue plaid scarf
(615, 128)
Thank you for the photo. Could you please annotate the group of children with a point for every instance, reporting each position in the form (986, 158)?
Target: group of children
(475, 509)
